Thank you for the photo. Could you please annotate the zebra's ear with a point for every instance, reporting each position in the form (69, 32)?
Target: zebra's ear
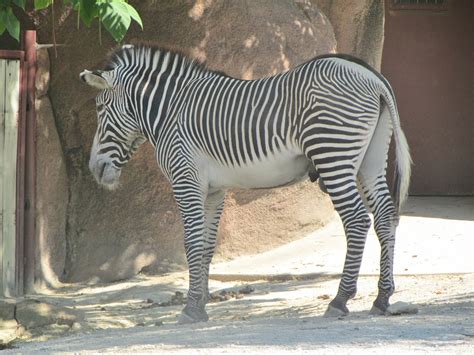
(98, 79)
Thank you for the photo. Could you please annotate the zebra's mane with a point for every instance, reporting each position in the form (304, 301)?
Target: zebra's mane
(140, 51)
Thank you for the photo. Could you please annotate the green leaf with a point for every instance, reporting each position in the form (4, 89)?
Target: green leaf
(116, 19)
(20, 3)
(115, 15)
(12, 24)
(134, 14)
(41, 4)
(88, 10)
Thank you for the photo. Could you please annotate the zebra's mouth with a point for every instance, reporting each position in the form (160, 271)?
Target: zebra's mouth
(110, 177)
(106, 174)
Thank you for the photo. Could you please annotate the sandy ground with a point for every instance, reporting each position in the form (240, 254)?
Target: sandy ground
(291, 291)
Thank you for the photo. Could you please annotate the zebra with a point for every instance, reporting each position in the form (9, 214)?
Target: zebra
(330, 118)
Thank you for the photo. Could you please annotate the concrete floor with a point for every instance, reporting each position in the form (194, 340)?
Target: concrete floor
(435, 236)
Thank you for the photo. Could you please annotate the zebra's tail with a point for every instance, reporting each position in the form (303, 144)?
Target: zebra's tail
(402, 151)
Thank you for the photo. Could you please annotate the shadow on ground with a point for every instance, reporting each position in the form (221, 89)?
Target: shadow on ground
(278, 314)
(457, 208)
(438, 325)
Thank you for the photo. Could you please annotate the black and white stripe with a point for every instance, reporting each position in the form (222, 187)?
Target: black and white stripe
(332, 116)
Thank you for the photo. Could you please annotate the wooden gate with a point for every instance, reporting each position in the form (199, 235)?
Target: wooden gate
(11, 66)
(17, 146)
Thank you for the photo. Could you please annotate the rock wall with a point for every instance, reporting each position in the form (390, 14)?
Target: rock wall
(51, 186)
(113, 235)
(84, 232)
(358, 27)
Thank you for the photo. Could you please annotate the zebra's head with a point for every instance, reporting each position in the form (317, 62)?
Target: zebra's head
(118, 135)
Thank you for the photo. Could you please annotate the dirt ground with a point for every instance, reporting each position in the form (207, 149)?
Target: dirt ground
(278, 316)
(278, 306)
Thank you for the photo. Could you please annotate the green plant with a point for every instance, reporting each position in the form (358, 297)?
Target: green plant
(115, 15)
(8, 20)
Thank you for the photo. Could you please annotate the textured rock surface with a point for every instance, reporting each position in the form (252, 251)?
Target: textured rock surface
(42, 73)
(358, 27)
(113, 235)
(399, 308)
(24, 318)
(34, 314)
(51, 186)
(7, 314)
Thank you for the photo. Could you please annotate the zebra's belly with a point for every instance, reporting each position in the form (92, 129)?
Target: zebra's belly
(286, 168)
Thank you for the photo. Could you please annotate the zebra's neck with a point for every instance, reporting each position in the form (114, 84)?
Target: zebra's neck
(151, 79)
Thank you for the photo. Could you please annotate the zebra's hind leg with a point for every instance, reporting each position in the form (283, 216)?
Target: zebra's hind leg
(385, 227)
(373, 183)
(385, 223)
(190, 198)
(213, 207)
(355, 218)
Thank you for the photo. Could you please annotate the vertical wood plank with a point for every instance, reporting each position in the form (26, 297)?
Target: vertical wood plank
(3, 93)
(10, 145)
(20, 182)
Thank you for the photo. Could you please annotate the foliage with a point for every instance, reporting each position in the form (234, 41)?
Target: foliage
(115, 15)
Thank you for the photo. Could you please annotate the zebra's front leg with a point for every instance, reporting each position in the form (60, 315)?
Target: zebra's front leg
(194, 245)
(190, 199)
(213, 207)
(355, 218)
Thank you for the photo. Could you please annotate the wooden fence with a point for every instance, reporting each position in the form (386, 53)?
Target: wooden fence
(9, 121)
(17, 168)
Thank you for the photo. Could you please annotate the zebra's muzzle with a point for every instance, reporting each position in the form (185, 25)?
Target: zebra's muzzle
(105, 173)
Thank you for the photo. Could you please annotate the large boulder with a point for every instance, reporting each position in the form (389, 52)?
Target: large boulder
(358, 27)
(113, 235)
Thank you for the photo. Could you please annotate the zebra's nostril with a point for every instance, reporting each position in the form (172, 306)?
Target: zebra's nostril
(106, 174)
(102, 166)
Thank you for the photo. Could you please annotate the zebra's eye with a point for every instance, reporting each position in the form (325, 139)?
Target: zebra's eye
(100, 107)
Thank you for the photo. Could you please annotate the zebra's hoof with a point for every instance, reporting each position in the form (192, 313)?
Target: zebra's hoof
(192, 315)
(376, 311)
(337, 308)
(333, 312)
(380, 305)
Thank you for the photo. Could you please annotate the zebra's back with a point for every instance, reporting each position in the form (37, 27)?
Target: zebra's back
(257, 133)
